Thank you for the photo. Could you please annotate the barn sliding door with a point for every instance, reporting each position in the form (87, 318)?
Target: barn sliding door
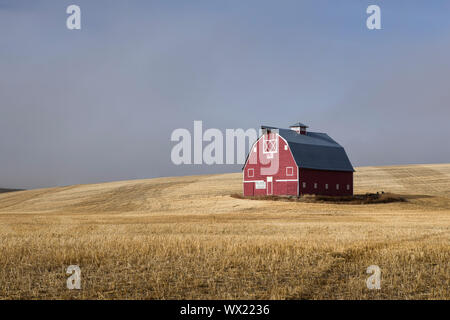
(269, 186)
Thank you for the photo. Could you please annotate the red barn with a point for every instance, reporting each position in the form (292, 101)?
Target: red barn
(295, 162)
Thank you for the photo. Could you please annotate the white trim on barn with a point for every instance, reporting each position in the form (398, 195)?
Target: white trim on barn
(248, 157)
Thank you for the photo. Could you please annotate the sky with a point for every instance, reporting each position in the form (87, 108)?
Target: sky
(100, 103)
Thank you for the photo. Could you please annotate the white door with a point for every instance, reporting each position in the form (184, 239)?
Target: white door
(269, 186)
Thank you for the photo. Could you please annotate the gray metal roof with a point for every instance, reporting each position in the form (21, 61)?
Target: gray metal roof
(299, 124)
(315, 150)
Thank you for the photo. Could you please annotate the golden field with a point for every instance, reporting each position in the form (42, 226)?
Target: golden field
(185, 237)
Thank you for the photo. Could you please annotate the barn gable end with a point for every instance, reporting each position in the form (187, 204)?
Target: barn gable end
(284, 181)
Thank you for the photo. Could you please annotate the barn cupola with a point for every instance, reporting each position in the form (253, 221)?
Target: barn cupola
(299, 128)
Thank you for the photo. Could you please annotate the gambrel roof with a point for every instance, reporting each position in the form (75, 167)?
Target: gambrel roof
(315, 150)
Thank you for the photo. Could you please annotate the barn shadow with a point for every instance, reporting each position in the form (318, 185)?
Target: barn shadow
(366, 198)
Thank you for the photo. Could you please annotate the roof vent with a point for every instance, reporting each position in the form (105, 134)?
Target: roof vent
(299, 127)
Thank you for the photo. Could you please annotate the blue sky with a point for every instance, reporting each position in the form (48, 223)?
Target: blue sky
(99, 104)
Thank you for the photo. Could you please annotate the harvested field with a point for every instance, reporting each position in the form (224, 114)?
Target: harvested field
(186, 237)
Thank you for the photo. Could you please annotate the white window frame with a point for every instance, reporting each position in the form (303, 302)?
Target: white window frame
(337, 186)
(252, 171)
(292, 171)
(326, 186)
(271, 145)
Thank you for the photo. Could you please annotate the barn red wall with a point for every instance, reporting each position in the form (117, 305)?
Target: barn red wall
(285, 160)
(323, 177)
